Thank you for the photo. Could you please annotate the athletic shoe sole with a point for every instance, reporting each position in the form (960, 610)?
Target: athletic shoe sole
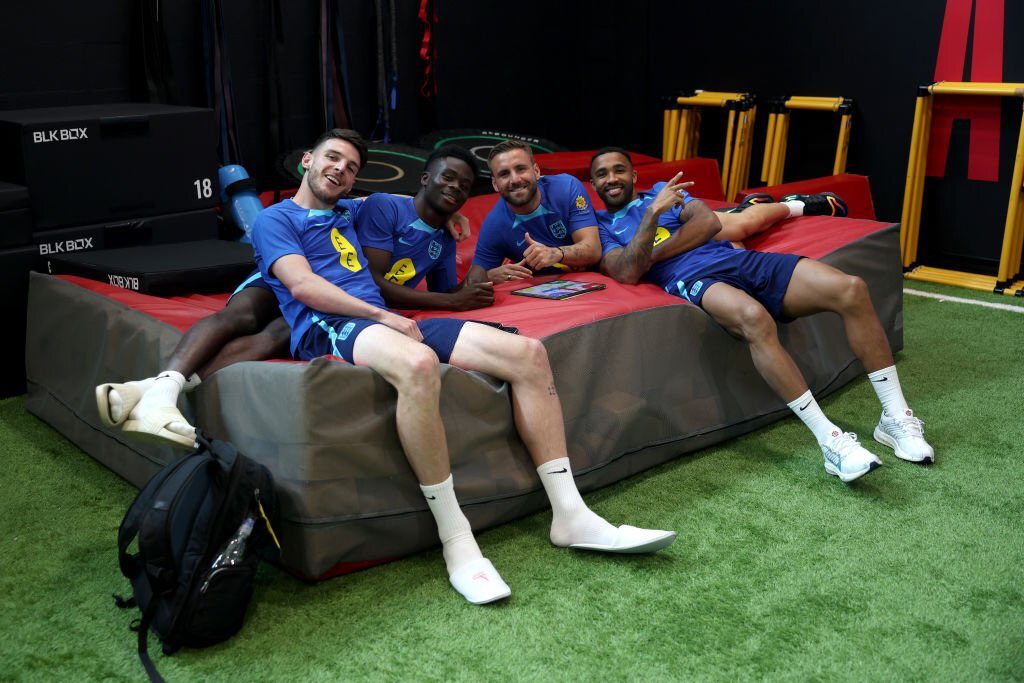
(886, 440)
(847, 477)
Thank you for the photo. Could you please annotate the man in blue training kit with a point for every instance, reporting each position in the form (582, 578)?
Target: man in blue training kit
(405, 240)
(308, 251)
(666, 236)
(543, 225)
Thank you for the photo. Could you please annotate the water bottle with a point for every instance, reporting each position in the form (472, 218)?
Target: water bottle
(234, 549)
(238, 195)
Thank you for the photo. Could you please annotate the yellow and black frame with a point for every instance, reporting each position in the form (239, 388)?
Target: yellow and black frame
(1008, 278)
(777, 134)
(681, 132)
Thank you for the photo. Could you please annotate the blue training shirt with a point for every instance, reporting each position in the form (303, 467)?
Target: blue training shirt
(327, 239)
(617, 229)
(564, 209)
(417, 250)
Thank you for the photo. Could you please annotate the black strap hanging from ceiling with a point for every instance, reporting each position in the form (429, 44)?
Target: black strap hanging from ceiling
(275, 103)
(155, 57)
(333, 67)
(218, 81)
(387, 70)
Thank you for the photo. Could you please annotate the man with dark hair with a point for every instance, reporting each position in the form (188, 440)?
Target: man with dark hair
(541, 224)
(310, 254)
(746, 292)
(248, 328)
(404, 240)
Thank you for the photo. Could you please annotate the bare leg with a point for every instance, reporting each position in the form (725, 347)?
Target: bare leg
(246, 313)
(737, 227)
(745, 318)
(523, 363)
(817, 287)
(270, 342)
(412, 368)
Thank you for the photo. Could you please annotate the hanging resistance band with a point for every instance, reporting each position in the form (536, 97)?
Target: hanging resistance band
(218, 82)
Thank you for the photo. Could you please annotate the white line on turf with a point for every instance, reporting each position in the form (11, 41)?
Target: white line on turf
(960, 300)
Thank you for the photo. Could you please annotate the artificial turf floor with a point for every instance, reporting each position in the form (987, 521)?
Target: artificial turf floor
(780, 571)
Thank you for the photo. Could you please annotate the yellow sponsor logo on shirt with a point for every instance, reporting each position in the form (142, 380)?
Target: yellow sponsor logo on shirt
(661, 235)
(401, 272)
(349, 258)
(581, 202)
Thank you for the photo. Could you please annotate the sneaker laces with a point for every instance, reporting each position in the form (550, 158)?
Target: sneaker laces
(845, 442)
(910, 425)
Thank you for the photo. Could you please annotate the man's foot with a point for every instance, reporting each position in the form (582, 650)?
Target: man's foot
(115, 402)
(631, 540)
(905, 435)
(587, 530)
(749, 201)
(847, 459)
(821, 204)
(165, 425)
(479, 582)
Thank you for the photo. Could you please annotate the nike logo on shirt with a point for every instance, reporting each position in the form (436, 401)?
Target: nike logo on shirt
(401, 240)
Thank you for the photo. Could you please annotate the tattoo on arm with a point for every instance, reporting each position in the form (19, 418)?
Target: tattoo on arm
(552, 391)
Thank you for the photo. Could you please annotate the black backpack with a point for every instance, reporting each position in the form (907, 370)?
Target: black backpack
(184, 519)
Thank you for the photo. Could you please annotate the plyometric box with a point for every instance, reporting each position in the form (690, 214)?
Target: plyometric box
(94, 163)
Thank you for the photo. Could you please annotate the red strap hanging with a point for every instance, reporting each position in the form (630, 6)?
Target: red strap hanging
(428, 50)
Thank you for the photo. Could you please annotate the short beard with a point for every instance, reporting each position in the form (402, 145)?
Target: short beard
(529, 198)
(319, 194)
(627, 197)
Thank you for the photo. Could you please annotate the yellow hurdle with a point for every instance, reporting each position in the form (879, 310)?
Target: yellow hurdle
(681, 131)
(1013, 230)
(775, 143)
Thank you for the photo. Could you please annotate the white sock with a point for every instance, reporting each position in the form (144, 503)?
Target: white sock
(795, 206)
(163, 392)
(459, 546)
(808, 410)
(887, 385)
(192, 382)
(571, 521)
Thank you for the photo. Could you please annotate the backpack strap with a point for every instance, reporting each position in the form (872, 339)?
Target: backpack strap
(147, 663)
(129, 528)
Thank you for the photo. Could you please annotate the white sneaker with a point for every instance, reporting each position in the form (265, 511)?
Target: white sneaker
(905, 435)
(846, 458)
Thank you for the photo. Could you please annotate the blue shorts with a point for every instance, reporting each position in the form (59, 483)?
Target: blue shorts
(335, 335)
(254, 279)
(763, 275)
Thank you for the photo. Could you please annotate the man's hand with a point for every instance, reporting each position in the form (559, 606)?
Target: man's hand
(670, 195)
(472, 295)
(509, 271)
(400, 324)
(458, 226)
(539, 256)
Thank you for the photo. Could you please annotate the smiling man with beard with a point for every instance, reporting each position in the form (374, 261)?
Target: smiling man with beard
(309, 252)
(543, 225)
(666, 236)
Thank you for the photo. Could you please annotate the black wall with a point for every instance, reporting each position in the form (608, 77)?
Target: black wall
(580, 73)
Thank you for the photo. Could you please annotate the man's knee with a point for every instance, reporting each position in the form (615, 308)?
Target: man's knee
(418, 371)
(753, 322)
(533, 355)
(854, 292)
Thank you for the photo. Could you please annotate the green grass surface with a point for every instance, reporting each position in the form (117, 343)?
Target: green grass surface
(780, 572)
